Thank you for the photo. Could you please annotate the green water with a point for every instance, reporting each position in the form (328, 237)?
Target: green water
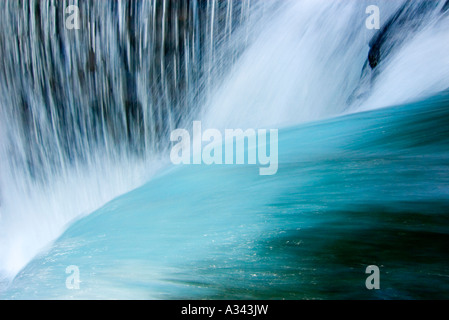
(364, 189)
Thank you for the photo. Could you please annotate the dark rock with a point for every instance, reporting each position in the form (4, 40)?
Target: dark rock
(445, 7)
(404, 23)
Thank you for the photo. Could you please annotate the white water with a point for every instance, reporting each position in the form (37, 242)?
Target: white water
(419, 69)
(308, 60)
(44, 187)
(304, 65)
(45, 211)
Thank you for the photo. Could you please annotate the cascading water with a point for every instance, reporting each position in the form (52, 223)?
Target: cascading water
(85, 116)
(86, 113)
(315, 62)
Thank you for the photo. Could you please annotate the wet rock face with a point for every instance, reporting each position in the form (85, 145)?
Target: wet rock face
(374, 56)
(445, 7)
(402, 25)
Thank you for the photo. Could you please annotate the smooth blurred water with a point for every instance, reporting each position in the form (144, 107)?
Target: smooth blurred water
(85, 116)
(365, 189)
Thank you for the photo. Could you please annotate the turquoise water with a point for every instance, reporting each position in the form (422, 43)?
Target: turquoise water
(364, 189)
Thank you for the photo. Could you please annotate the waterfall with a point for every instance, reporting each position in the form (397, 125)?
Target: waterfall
(85, 114)
(311, 62)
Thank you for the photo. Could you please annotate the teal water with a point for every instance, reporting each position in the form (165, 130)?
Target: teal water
(364, 189)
